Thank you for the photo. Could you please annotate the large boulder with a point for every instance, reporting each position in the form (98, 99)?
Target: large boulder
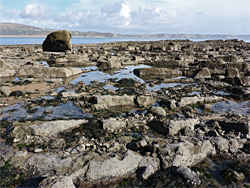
(58, 41)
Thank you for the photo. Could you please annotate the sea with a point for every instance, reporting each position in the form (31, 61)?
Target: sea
(78, 40)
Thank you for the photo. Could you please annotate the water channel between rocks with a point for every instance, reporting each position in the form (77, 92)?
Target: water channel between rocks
(69, 111)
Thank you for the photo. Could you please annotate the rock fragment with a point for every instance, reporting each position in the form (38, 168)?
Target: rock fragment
(158, 111)
(150, 165)
(113, 124)
(203, 73)
(5, 90)
(188, 174)
(185, 153)
(175, 126)
(144, 100)
(57, 182)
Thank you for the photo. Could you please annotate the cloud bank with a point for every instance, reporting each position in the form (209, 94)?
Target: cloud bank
(137, 16)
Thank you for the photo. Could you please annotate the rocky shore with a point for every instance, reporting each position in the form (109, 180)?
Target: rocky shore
(170, 113)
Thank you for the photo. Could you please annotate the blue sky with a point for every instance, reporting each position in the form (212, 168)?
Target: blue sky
(132, 16)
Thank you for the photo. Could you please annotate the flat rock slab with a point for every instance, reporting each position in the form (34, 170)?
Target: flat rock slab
(108, 101)
(36, 70)
(51, 128)
(151, 72)
(113, 167)
(62, 72)
(195, 100)
(175, 126)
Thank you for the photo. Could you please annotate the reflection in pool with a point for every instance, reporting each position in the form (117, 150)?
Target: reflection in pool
(163, 85)
(100, 76)
(62, 111)
(110, 87)
(231, 107)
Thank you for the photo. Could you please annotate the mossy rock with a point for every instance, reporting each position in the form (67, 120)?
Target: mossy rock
(58, 41)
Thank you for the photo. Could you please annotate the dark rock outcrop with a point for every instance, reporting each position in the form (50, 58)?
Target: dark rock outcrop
(58, 41)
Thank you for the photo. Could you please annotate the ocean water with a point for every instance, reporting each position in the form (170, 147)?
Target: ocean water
(39, 40)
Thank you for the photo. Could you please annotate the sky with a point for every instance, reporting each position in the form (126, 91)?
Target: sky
(132, 16)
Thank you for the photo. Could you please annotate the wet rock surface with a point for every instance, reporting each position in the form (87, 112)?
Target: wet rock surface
(137, 114)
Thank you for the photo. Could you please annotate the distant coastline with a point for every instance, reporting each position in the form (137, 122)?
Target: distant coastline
(25, 31)
(22, 36)
(174, 36)
(77, 36)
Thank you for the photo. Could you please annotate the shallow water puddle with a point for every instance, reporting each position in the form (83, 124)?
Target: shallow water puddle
(163, 85)
(16, 79)
(231, 107)
(160, 86)
(180, 77)
(110, 87)
(44, 63)
(62, 111)
(100, 76)
(89, 77)
(92, 68)
(222, 93)
(194, 93)
(58, 90)
(136, 111)
(7, 113)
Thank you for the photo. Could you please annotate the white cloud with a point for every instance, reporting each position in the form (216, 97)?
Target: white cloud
(33, 10)
(158, 20)
(115, 15)
(125, 11)
(137, 16)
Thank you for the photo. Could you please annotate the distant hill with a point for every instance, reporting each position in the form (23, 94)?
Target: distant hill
(26, 30)
(20, 29)
(11, 29)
